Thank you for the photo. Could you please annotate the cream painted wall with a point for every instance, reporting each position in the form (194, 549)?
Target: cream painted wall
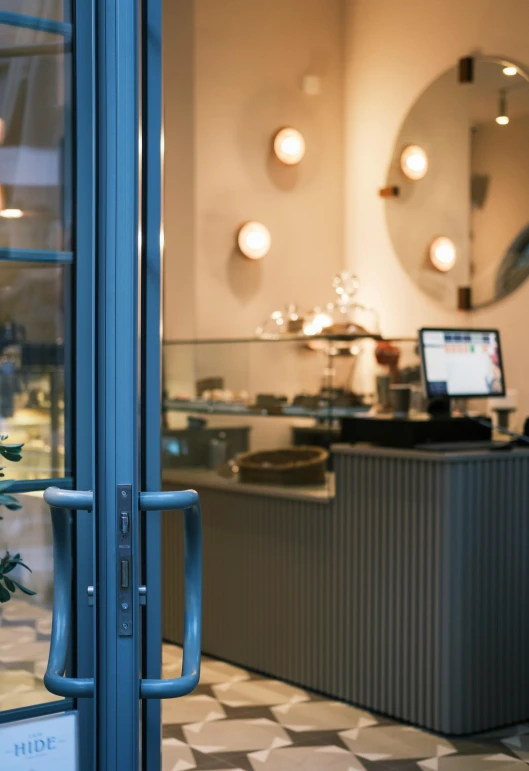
(393, 51)
(250, 59)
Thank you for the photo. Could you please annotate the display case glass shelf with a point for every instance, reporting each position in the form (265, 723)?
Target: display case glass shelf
(226, 398)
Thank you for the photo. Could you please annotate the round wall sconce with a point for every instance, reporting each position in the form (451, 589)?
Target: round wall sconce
(254, 240)
(443, 254)
(289, 146)
(11, 214)
(510, 71)
(414, 162)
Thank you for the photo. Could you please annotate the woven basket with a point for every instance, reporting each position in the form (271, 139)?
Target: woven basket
(294, 466)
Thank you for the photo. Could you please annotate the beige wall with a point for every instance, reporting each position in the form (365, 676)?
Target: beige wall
(393, 51)
(243, 82)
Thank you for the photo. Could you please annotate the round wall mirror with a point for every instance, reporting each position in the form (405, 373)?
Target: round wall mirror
(457, 191)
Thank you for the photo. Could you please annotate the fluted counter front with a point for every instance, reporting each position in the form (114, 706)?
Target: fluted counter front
(405, 592)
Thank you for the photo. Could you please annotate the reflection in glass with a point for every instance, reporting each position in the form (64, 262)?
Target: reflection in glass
(43, 9)
(475, 132)
(35, 165)
(25, 622)
(32, 384)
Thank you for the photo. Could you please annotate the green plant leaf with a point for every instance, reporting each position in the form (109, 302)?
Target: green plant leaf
(9, 502)
(24, 589)
(10, 585)
(18, 563)
(4, 594)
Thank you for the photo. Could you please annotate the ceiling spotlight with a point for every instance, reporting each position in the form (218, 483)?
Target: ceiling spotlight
(254, 240)
(510, 71)
(414, 162)
(502, 117)
(289, 146)
(443, 254)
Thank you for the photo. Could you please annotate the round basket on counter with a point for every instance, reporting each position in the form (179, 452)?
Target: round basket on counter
(289, 466)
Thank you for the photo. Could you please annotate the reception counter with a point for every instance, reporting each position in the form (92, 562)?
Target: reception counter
(402, 588)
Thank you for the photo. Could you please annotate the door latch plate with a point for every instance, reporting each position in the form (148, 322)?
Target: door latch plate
(124, 561)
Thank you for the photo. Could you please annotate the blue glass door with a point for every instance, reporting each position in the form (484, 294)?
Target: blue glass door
(80, 144)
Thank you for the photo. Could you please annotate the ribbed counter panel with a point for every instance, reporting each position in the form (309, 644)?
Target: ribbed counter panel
(407, 594)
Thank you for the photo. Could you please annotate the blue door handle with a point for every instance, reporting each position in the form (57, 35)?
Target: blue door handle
(188, 502)
(60, 501)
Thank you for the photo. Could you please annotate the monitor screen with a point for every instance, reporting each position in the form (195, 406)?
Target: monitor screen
(462, 363)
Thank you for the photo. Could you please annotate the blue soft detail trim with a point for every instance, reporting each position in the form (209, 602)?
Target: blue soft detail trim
(36, 23)
(37, 485)
(35, 255)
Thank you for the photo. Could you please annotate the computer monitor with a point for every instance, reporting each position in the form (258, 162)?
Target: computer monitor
(461, 363)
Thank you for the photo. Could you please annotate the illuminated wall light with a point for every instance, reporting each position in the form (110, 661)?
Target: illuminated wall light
(502, 117)
(289, 146)
(510, 71)
(11, 214)
(254, 240)
(414, 162)
(443, 254)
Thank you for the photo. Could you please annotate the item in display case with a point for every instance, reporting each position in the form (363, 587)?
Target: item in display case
(383, 392)
(387, 355)
(341, 316)
(287, 322)
(218, 451)
(308, 401)
(209, 384)
(286, 466)
(271, 401)
(193, 447)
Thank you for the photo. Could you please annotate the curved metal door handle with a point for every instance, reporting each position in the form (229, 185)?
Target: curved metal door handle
(189, 503)
(60, 502)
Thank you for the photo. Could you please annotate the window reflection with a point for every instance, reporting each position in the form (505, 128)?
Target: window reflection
(35, 156)
(32, 354)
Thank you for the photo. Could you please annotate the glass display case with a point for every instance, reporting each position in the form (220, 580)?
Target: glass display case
(233, 408)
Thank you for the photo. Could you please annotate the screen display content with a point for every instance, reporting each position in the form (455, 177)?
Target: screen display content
(462, 363)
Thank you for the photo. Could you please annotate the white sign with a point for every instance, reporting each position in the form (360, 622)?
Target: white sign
(45, 744)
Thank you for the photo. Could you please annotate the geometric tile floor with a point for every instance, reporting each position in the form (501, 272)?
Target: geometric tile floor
(25, 631)
(239, 720)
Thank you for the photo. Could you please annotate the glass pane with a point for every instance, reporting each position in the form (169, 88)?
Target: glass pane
(25, 621)
(44, 9)
(35, 140)
(33, 299)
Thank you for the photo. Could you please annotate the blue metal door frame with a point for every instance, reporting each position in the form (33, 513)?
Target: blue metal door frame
(116, 656)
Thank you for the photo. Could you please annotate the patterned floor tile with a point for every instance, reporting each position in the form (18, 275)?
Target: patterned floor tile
(18, 680)
(15, 635)
(176, 756)
(213, 672)
(210, 671)
(519, 745)
(236, 736)
(306, 758)
(19, 610)
(22, 652)
(498, 762)
(43, 626)
(191, 709)
(396, 743)
(321, 716)
(258, 692)
(18, 700)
